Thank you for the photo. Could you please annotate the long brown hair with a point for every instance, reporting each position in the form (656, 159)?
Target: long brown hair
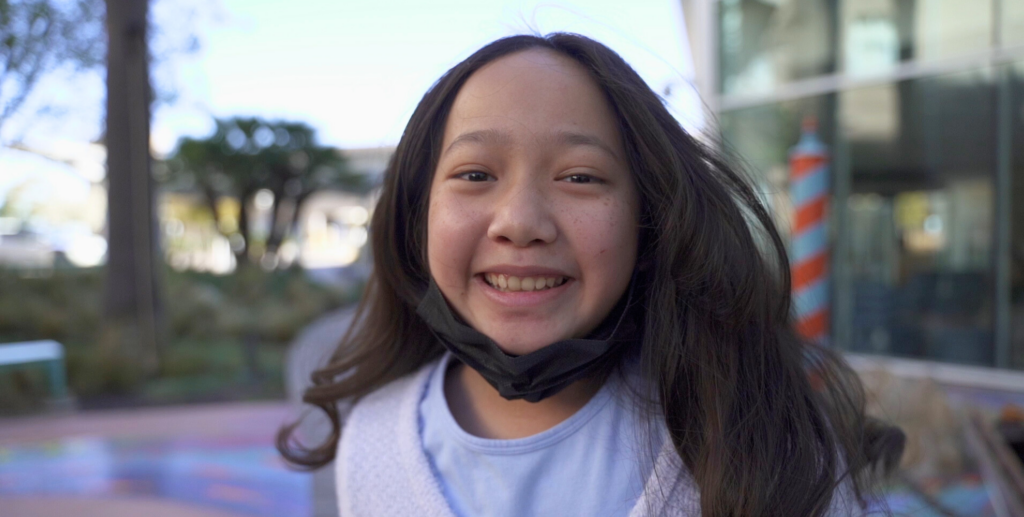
(728, 373)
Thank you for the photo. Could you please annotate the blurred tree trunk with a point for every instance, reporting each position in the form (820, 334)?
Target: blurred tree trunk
(278, 220)
(300, 203)
(242, 253)
(132, 308)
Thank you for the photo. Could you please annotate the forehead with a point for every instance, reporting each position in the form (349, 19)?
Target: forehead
(532, 95)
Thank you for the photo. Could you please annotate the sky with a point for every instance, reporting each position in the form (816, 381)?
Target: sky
(353, 70)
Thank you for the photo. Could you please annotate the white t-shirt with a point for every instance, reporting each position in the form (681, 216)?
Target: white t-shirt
(590, 464)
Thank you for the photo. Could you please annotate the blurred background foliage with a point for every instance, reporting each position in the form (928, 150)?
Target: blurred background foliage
(218, 327)
(227, 335)
(246, 155)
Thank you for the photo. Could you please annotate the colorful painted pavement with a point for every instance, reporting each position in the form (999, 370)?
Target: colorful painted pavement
(246, 476)
(964, 496)
(205, 460)
(237, 474)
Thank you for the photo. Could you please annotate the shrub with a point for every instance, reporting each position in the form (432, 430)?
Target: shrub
(209, 321)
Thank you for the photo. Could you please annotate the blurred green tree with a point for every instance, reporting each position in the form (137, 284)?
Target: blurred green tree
(39, 36)
(246, 155)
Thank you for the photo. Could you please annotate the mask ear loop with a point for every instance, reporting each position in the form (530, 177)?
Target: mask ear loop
(628, 303)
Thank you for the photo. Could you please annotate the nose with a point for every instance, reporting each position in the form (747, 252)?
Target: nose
(522, 218)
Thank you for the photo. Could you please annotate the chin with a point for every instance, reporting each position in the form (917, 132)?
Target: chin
(517, 346)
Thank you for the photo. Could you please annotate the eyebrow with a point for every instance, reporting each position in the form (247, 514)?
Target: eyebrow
(482, 136)
(572, 138)
(498, 137)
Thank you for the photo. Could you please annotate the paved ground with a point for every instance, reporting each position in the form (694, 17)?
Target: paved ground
(193, 461)
(96, 507)
(254, 418)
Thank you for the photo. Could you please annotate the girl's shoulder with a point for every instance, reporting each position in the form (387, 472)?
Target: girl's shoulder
(403, 394)
(380, 466)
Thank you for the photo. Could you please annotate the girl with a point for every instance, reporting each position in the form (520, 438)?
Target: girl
(578, 309)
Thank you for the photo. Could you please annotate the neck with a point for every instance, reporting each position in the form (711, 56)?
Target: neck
(481, 411)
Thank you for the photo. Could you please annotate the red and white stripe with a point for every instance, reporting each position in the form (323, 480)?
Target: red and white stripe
(809, 190)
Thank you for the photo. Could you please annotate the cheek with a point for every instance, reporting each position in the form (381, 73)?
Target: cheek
(606, 239)
(450, 242)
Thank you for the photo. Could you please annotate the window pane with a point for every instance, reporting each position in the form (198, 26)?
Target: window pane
(920, 217)
(765, 43)
(878, 34)
(1013, 22)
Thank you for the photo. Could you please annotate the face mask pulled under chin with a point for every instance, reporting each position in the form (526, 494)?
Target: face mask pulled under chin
(544, 372)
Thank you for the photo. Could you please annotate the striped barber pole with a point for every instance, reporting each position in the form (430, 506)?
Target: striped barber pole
(809, 190)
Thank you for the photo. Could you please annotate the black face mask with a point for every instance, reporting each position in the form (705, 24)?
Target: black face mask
(540, 374)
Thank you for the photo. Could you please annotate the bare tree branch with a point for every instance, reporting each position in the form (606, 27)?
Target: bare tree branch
(40, 36)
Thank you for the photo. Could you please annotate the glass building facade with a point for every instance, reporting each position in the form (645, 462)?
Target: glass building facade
(921, 105)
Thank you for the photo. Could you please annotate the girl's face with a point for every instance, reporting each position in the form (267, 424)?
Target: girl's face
(533, 219)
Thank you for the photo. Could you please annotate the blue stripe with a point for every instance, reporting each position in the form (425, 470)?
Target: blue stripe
(811, 146)
(809, 187)
(811, 298)
(810, 242)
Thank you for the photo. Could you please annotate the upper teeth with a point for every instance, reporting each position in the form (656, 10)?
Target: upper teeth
(528, 283)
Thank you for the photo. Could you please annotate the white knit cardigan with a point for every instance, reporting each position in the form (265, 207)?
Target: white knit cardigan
(382, 469)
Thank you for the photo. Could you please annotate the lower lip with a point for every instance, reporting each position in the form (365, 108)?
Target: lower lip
(522, 298)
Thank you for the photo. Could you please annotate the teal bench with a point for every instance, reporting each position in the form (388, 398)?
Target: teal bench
(46, 353)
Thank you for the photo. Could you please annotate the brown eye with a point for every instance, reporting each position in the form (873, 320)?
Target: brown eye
(580, 178)
(475, 176)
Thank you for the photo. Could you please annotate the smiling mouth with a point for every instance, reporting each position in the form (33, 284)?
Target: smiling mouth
(508, 283)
